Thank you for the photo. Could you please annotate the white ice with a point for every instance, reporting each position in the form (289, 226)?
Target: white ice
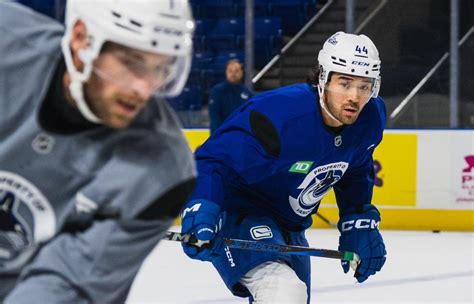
(421, 267)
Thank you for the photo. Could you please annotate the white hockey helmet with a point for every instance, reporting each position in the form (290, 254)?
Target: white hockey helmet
(157, 26)
(348, 54)
(352, 55)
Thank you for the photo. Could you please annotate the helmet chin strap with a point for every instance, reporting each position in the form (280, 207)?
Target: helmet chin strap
(76, 87)
(77, 92)
(322, 102)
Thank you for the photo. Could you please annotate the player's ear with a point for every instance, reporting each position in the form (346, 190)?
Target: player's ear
(79, 41)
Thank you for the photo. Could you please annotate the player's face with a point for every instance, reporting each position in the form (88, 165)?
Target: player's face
(234, 72)
(346, 96)
(123, 81)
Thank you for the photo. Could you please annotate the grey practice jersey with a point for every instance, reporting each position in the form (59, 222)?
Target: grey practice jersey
(45, 177)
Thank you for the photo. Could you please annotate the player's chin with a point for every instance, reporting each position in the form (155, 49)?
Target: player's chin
(349, 119)
(118, 121)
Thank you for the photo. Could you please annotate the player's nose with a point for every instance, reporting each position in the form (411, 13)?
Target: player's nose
(353, 94)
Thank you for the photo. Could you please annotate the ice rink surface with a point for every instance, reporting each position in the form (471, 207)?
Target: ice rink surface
(421, 267)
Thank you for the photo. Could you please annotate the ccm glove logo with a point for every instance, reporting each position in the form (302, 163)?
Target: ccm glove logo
(360, 224)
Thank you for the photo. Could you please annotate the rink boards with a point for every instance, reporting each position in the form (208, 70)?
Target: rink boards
(424, 180)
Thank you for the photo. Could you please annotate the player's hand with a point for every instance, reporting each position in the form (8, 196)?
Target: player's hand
(360, 234)
(203, 220)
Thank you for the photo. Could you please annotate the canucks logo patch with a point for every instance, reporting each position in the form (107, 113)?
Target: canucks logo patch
(315, 186)
(26, 219)
(261, 232)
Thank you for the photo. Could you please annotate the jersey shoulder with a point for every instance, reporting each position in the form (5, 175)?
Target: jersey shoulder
(268, 114)
(219, 87)
(30, 49)
(375, 113)
(286, 103)
(27, 31)
(374, 117)
(158, 137)
(153, 152)
(380, 109)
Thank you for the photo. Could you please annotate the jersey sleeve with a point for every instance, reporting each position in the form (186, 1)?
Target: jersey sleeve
(147, 186)
(356, 187)
(95, 266)
(234, 157)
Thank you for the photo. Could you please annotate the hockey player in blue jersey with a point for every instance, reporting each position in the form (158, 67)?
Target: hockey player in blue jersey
(265, 170)
(94, 167)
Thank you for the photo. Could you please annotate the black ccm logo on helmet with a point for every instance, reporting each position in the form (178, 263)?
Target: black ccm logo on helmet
(360, 63)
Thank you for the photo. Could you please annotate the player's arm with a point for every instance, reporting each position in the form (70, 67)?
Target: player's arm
(237, 156)
(359, 219)
(98, 263)
(202, 216)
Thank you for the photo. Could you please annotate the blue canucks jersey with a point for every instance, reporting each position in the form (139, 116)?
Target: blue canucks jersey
(275, 156)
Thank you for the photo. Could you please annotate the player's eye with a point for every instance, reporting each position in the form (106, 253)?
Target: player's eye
(345, 85)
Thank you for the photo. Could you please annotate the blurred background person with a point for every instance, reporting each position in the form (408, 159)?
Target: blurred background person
(227, 95)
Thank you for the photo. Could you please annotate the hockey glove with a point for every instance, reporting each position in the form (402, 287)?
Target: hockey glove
(203, 220)
(360, 234)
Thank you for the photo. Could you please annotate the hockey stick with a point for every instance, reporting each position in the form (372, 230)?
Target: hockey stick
(267, 247)
(326, 220)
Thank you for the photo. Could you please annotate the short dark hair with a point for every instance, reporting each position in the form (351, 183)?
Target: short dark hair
(313, 76)
(236, 61)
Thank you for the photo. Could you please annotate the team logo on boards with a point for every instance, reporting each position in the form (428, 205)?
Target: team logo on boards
(467, 181)
(470, 164)
(378, 181)
(315, 186)
(26, 219)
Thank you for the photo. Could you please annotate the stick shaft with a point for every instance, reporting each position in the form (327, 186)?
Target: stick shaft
(268, 247)
(326, 220)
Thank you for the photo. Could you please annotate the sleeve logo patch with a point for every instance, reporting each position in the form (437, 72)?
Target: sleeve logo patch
(261, 232)
(302, 167)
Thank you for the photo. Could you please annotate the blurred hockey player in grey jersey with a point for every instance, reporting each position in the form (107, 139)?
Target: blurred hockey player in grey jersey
(93, 163)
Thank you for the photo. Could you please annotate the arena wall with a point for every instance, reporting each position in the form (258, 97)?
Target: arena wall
(424, 180)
